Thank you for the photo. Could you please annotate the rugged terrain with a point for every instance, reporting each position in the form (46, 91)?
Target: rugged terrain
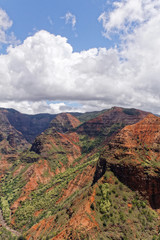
(95, 179)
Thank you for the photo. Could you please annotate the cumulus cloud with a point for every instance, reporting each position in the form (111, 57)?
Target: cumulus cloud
(70, 18)
(45, 68)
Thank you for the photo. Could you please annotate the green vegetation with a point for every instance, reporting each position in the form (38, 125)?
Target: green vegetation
(104, 204)
(87, 144)
(108, 131)
(6, 235)
(90, 115)
(29, 157)
(51, 192)
(5, 209)
(11, 188)
(21, 238)
(121, 213)
(131, 111)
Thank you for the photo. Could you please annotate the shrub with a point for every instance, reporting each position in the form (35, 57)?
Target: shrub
(104, 206)
(125, 198)
(154, 238)
(92, 206)
(122, 217)
(121, 187)
(113, 191)
(21, 238)
(104, 224)
(130, 211)
(30, 157)
(143, 204)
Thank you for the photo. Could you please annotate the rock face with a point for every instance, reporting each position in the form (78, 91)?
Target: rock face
(134, 157)
(111, 121)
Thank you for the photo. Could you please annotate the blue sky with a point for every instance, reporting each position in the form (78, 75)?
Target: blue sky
(79, 55)
(30, 16)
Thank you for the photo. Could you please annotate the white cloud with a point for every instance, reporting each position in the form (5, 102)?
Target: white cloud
(70, 18)
(128, 15)
(45, 67)
(30, 107)
(5, 24)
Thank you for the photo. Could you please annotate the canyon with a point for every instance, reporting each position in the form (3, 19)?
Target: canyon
(80, 176)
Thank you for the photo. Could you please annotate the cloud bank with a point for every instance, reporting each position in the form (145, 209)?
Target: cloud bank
(45, 68)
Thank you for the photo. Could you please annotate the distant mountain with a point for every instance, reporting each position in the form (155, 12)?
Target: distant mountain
(33, 125)
(29, 125)
(83, 117)
(111, 121)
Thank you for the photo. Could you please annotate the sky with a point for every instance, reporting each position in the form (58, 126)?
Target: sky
(67, 55)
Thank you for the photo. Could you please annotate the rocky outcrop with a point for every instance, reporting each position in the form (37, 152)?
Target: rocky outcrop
(134, 157)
